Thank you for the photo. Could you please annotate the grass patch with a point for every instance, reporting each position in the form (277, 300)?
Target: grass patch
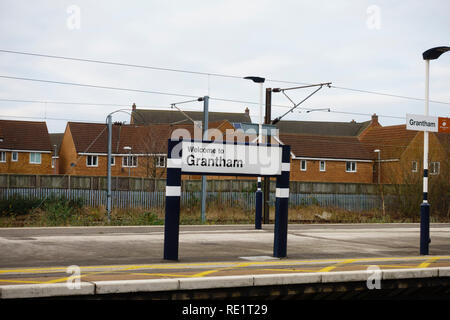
(57, 211)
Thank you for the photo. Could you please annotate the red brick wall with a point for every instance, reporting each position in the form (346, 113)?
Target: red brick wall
(401, 171)
(23, 165)
(144, 167)
(334, 172)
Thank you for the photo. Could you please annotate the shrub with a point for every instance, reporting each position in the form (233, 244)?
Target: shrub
(59, 210)
(18, 205)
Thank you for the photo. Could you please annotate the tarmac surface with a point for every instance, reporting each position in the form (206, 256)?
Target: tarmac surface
(43, 255)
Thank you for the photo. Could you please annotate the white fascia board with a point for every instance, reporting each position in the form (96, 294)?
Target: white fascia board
(121, 154)
(331, 159)
(35, 151)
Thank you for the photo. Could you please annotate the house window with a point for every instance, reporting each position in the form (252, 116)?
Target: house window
(2, 156)
(35, 157)
(414, 166)
(92, 161)
(14, 156)
(303, 165)
(160, 161)
(434, 167)
(113, 161)
(322, 165)
(350, 166)
(129, 161)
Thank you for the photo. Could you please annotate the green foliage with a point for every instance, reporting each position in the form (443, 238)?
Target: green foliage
(135, 218)
(149, 218)
(17, 205)
(58, 210)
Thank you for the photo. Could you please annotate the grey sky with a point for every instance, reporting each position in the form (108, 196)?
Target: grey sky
(302, 41)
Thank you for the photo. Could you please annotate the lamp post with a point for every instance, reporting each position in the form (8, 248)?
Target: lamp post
(379, 163)
(430, 54)
(109, 157)
(129, 159)
(108, 194)
(259, 198)
(379, 179)
(204, 125)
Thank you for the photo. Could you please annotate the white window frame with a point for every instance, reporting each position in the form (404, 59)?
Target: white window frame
(113, 161)
(433, 166)
(33, 156)
(351, 169)
(2, 156)
(324, 166)
(92, 157)
(414, 166)
(303, 161)
(158, 161)
(12, 156)
(126, 165)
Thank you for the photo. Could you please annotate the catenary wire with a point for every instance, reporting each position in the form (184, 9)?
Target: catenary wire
(210, 74)
(158, 92)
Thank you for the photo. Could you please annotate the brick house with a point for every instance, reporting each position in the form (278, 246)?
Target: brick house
(25, 148)
(401, 153)
(138, 151)
(328, 158)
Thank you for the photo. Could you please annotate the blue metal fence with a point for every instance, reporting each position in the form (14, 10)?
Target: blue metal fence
(156, 199)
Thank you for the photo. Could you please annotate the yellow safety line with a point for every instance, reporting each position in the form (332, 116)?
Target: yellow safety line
(75, 277)
(207, 272)
(22, 281)
(337, 265)
(231, 264)
(175, 275)
(425, 264)
(289, 270)
(388, 266)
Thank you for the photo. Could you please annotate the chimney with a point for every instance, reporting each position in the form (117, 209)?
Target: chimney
(247, 111)
(374, 119)
(133, 107)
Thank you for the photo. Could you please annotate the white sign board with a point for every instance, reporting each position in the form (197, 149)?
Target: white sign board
(229, 158)
(422, 123)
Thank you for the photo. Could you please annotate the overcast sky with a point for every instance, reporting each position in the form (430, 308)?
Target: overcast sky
(367, 45)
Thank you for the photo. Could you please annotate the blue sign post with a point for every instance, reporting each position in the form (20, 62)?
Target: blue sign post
(228, 159)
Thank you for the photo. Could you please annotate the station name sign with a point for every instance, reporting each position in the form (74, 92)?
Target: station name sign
(202, 157)
(427, 123)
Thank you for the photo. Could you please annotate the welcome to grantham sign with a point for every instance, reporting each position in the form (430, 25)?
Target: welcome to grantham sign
(228, 159)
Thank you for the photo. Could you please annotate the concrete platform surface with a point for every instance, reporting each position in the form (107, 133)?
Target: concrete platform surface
(43, 255)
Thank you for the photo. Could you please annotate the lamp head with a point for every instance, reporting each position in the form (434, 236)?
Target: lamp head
(434, 53)
(256, 79)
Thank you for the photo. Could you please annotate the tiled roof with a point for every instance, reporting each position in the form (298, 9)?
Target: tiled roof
(152, 139)
(391, 140)
(331, 147)
(322, 128)
(24, 135)
(143, 117)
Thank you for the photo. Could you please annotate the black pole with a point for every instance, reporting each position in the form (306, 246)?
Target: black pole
(173, 194)
(424, 228)
(258, 207)
(282, 206)
(266, 190)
